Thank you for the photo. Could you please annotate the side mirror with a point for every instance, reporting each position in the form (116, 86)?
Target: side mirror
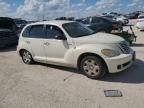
(60, 37)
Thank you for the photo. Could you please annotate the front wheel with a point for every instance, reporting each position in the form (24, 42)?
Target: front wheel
(26, 57)
(93, 67)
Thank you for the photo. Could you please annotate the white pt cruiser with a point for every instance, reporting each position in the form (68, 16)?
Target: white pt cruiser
(69, 43)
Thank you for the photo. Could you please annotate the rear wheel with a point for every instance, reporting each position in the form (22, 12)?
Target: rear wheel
(26, 57)
(93, 67)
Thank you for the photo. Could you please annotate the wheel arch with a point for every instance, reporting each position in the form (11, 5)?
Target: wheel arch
(23, 49)
(89, 54)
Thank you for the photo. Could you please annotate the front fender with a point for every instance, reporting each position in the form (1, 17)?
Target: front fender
(83, 49)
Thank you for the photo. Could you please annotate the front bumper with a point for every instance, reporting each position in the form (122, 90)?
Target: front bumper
(120, 63)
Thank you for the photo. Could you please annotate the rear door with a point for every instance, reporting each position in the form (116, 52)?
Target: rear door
(35, 41)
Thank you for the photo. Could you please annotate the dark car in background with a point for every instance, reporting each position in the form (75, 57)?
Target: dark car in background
(20, 23)
(133, 15)
(66, 18)
(121, 19)
(109, 16)
(8, 32)
(100, 24)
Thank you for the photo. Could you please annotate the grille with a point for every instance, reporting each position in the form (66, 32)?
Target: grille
(125, 48)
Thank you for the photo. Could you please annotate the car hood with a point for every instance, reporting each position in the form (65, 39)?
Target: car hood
(102, 38)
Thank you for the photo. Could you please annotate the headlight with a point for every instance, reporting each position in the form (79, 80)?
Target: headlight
(110, 52)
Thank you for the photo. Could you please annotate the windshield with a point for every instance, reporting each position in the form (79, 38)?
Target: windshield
(76, 29)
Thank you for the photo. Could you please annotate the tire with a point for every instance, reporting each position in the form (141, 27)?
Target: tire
(27, 57)
(93, 67)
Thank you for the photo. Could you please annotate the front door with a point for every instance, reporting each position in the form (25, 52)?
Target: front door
(56, 50)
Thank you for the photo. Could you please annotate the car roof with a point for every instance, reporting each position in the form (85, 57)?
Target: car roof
(53, 22)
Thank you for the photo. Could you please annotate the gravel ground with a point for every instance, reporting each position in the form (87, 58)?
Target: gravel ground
(47, 86)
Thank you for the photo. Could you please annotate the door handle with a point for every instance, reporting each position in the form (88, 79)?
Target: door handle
(46, 43)
(28, 42)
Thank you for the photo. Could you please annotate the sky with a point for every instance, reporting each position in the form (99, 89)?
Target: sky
(50, 9)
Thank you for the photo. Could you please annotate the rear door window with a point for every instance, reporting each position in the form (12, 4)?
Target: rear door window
(37, 31)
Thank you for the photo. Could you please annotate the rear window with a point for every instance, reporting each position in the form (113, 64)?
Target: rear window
(26, 32)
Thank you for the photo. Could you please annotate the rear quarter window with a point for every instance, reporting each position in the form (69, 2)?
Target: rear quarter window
(34, 31)
(26, 31)
(37, 31)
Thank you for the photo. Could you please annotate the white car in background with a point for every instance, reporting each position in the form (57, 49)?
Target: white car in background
(122, 19)
(140, 22)
(69, 43)
(141, 18)
(140, 25)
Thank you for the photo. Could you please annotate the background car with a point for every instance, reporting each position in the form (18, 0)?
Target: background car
(100, 24)
(8, 32)
(140, 25)
(20, 23)
(133, 15)
(109, 16)
(121, 19)
(140, 22)
(66, 18)
(140, 18)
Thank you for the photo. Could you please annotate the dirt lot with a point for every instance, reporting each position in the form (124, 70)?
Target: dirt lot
(47, 86)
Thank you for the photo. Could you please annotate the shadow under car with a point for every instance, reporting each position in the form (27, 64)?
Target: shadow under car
(134, 74)
(8, 48)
